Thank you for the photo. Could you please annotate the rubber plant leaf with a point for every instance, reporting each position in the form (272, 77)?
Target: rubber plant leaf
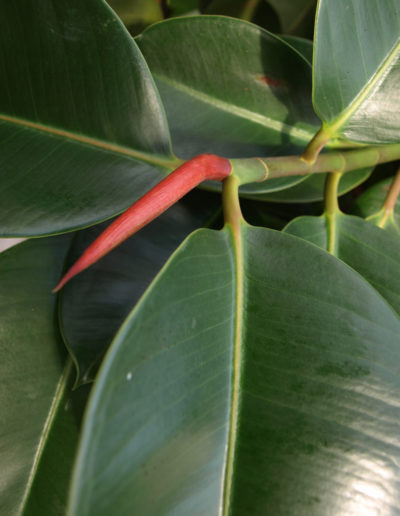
(93, 308)
(39, 425)
(252, 366)
(371, 251)
(82, 129)
(357, 71)
(248, 92)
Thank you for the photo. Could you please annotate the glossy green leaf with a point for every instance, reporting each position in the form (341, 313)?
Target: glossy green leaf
(82, 130)
(38, 424)
(94, 305)
(230, 88)
(371, 251)
(302, 45)
(258, 375)
(356, 69)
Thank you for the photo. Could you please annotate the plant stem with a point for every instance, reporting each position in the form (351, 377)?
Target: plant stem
(390, 201)
(331, 192)
(332, 208)
(230, 201)
(345, 161)
(151, 205)
(249, 9)
(320, 139)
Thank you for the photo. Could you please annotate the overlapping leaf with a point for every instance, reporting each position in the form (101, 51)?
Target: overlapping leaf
(94, 305)
(82, 130)
(257, 375)
(231, 88)
(38, 425)
(357, 70)
(371, 251)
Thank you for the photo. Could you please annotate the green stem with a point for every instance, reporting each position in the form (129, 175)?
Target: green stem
(230, 202)
(249, 9)
(332, 208)
(284, 166)
(390, 200)
(320, 139)
(331, 192)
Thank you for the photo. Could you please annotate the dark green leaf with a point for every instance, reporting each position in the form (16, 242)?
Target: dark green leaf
(230, 88)
(371, 251)
(82, 130)
(356, 69)
(257, 382)
(94, 305)
(38, 424)
(292, 13)
(302, 45)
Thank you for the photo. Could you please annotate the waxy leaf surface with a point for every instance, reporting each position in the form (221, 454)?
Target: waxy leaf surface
(257, 375)
(371, 251)
(38, 424)
(231, 88)
(82, 130)
(357, 69)
(94, 305)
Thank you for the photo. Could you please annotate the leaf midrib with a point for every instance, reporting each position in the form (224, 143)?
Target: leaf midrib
(334, 125)
(48, 424)
(169, 163)
(237, 238)
(265, 121)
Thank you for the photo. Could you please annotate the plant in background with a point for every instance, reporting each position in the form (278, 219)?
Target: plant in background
(239, 368)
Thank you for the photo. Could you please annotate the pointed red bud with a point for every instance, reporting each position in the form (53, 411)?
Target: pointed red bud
(166, 193)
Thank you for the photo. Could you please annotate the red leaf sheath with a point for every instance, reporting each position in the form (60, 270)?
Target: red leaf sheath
(150, 206)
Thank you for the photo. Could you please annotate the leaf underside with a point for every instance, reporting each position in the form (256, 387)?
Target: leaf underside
(356, 69)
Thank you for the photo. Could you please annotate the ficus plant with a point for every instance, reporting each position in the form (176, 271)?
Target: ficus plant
(232, 349)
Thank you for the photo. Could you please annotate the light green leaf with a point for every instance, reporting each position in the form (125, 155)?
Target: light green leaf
(369, 250)
(231, 88)
(82, 130)
(357, 70)
(38, 424)
(258, 375)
